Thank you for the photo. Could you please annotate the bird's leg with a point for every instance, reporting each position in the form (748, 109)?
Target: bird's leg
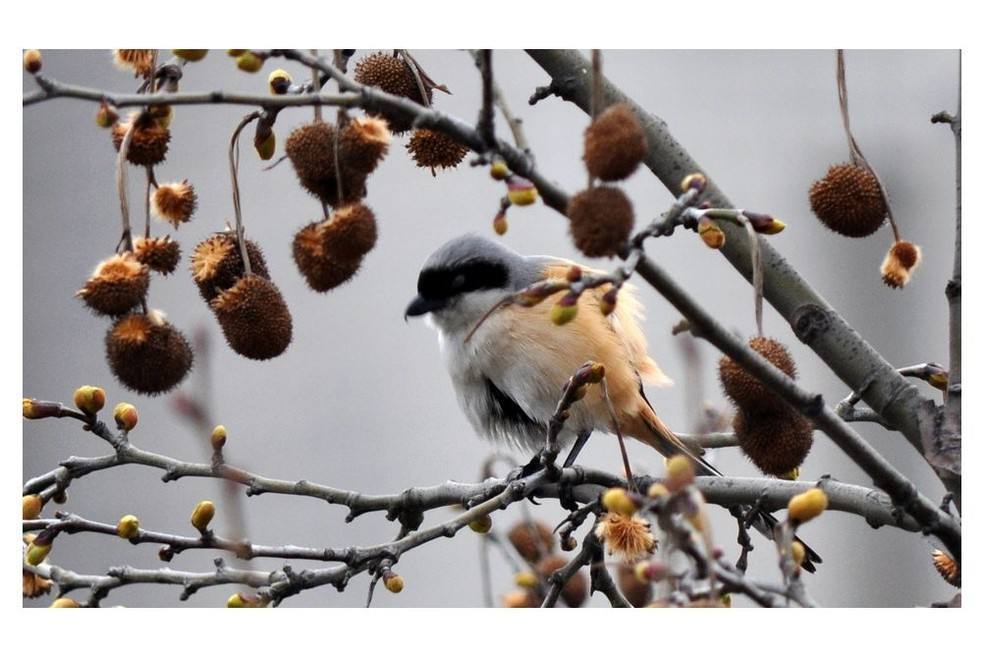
(565, 494)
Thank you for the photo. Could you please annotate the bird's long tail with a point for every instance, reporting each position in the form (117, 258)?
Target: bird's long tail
(658, 435)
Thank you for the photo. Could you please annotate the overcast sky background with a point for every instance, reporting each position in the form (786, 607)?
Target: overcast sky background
(361, 400)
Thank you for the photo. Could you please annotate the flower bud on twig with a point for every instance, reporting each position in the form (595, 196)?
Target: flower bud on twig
(202, 515)
(90, 399)
(128, 527)
(126, 416)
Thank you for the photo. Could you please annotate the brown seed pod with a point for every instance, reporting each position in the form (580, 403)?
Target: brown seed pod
(575, 591)
(615, 143)
(147, 354)
(117, 285)
(436, 150)
(320, 269)
(746, 390)
(363, 144)
(161, 254)
(141, 62)
(149, 143)
(533, 540)
(775, 443)
(311, 149)
(254, 318)
(899, 263)
(638, 593)
(350, 233)
(848, 201)
(947, 567)
(174, 202)
(217, 264)
(394, 76)
(601, 220)
(35, 586)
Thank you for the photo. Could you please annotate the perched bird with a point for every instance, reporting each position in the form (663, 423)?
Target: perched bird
(508, 367)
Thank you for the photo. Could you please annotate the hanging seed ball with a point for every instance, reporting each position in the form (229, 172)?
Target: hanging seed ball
(394, 76)
(746, 390)
(141, 62)
(775, 443)
(848, 201)
(601, 220)
(174, 202)
(637, 592)
(532, 540)
(615, 143)
(217, 264)
(899, 263)
(351, 232)
(364, 143)
(161, 254)
(254, 318)
(321, 270)
(575, 592)
(311, 149)
(436, 150)
(149, 143)
(116, 286)
(146, 353)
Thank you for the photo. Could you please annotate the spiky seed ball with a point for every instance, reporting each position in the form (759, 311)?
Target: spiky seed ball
(217, 264)
(436, 150)
(394, 76)
(350, 233)
(174, 202)
(141, 62)
(615, 143)
(746, 390)
(775, 443)
(575, 592)
(848, 201)
(116, 286)
(149, 143)
(638, 592)
(322, 271)
(161, 254)
(947, 567)
(254, 318)
(311, 149)
(902, 259)
(364, 143)
(601, 220)
(532, 540)
(147, 354)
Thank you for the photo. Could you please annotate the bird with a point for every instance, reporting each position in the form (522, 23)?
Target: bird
(508, 363)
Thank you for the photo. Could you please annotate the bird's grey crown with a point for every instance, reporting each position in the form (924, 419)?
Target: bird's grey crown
(471, 249)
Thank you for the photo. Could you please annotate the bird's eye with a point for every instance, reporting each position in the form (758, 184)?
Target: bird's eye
(458, 282)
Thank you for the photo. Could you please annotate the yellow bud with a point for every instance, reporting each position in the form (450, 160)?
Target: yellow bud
(191, 55)
(521, 191)
(64, 603)
(31, 409)
(481, 525)
(106, 115)
(608, 302)
(128, 527)
(694, 180)
(235, 53)
(711, 235)
(235, 601)
(726, 600)
(32, 61)
(90, 399)
(498, 170)
(798, 552)
(773, 227)
(249, 62)
(680, 472)
(394, 583)
(126, 416)
(32, 505)
(265, 149)
(278, 82)
(37, 553)
(564, 310)
(595, 374)
(938, 380)
(526, 579)
(657, 489)
(793, 475)
(162, 114)
(500, 224)
(202, 515)
(641, 572)
(242, 601)
(809, 504)
(218, 438)
(617, 500)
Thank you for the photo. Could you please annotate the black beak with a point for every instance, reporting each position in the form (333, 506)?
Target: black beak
(421, 306)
